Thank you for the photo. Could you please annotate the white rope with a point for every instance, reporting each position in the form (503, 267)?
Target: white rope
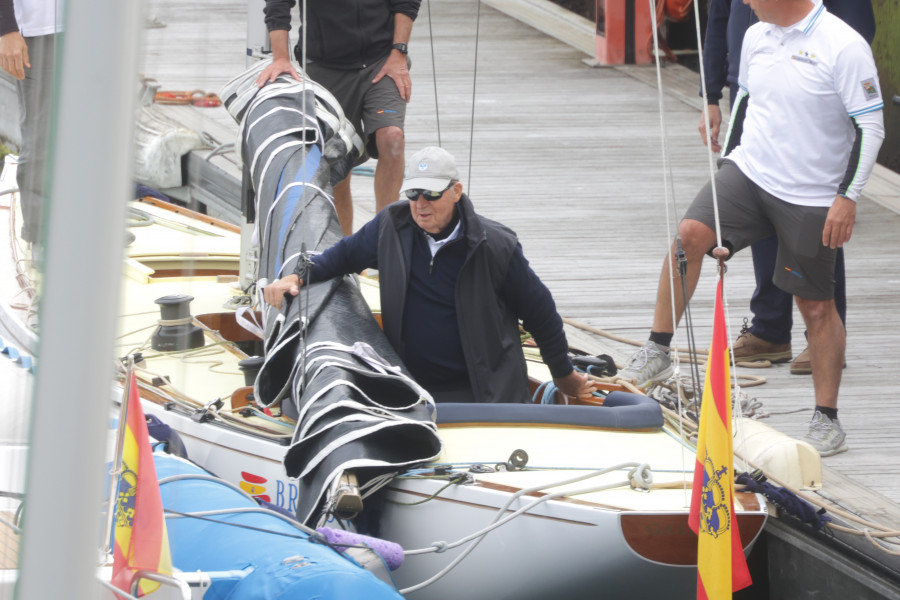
(639, 474)
(669, 201)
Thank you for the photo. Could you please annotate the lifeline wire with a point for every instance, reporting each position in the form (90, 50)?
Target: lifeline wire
(667, 179)
(640, 474)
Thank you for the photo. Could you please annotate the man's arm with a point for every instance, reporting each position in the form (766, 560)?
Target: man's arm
(715, 69)
(13, 49)
(842, 214)
(8, 22)
(395, 67)
(278, 22)
(736, 125)
(856, 81)
(14, 54)
(531, 301)
(281, 58)
(351, 254)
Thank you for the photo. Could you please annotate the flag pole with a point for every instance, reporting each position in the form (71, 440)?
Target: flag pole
(116, 465)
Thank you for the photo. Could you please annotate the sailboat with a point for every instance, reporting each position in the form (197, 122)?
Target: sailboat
(582, 497)
(571, 497)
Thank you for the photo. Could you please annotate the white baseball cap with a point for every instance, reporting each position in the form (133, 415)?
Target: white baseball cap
(430, 168)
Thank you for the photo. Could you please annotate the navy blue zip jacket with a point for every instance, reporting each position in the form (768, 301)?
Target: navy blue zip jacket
(455, 316)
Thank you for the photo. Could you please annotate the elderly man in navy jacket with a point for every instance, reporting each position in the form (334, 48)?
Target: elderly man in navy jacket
(454, 287)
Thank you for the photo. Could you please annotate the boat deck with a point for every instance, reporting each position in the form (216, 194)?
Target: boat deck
(571, 157)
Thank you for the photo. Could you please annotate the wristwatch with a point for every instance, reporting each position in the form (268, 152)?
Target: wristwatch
(401, 47)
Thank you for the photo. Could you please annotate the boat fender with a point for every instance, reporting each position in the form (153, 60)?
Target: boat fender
(343, 540)
(164, 434)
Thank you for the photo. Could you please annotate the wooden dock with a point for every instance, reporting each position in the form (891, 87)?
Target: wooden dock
(572, 157)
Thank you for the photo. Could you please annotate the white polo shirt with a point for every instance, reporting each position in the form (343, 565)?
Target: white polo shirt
(806, 82)
(39, 17)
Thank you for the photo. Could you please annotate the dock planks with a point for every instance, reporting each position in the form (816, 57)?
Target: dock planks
(571, 158)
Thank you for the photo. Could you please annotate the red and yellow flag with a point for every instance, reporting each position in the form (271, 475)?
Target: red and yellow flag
(141, 542)
(721, 565)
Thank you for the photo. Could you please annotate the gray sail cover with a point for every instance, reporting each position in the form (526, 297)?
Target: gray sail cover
(327, 362)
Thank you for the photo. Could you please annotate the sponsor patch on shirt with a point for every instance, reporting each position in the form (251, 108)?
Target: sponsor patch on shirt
(869, 88)
(805, 57)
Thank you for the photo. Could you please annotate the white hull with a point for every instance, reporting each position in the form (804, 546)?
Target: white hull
(572, 547)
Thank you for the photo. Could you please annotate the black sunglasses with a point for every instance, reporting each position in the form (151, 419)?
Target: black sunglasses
(427, 194)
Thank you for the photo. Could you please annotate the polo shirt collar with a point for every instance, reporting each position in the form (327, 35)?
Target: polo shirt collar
(807, 23)
(435, 245)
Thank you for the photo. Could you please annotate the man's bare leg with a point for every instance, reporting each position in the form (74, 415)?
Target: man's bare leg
(696, 240)
(343, 204)
(651, 362)
(389, 171)
(827, 342)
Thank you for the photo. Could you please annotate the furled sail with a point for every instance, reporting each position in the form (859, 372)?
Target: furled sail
(327, 362)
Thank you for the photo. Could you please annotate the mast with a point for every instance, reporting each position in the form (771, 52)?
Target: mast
(91, 158)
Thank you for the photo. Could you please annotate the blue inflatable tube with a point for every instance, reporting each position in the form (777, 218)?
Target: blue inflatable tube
(254, 554)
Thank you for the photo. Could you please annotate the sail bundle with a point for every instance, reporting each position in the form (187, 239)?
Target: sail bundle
(327, 362)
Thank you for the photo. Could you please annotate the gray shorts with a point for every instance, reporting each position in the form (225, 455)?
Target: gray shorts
(804, 266)
(368, 106)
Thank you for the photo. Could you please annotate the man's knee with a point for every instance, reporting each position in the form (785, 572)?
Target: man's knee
(389, 141)
(696, 238)
(815, 311)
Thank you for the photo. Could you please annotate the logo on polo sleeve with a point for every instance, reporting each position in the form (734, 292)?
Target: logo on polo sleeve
(869, 88)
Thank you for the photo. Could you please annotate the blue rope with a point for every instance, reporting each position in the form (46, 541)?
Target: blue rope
(547, 393)
(786, 500)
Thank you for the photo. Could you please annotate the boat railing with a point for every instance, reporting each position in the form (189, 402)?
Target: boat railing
(169, 580)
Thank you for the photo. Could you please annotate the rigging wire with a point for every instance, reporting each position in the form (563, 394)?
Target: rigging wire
(736, 416)
(437, 112)
(669, 193)
(474, 81)
(679, 256)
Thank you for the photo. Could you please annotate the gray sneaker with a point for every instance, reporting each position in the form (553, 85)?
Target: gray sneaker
(648, 365)
(825, 435)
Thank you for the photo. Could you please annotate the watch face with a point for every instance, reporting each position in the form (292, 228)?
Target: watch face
(401, 47)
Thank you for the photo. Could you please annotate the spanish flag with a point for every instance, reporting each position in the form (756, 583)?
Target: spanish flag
(721, 565)
(141, 542)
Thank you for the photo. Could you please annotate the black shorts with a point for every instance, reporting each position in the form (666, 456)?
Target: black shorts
(368, 106)
(804, 266)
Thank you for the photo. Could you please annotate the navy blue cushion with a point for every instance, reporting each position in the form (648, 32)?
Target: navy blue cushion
(621, 410)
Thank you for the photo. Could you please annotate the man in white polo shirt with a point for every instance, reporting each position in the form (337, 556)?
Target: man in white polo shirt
(28, 39)
(803, 139)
